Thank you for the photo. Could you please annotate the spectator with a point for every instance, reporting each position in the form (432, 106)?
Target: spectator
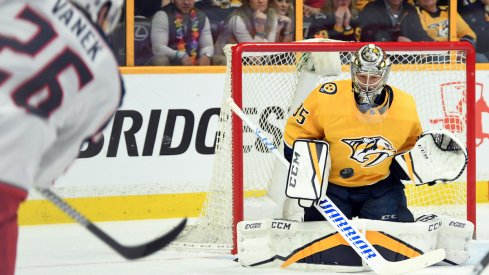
(181, 35)
(223, 4)
(435, 20)
(312, 7)
(252, 22)
(217, 11)
(360, 4)
(390, 20)
(337, 21)
(285, 14)
(476, 14)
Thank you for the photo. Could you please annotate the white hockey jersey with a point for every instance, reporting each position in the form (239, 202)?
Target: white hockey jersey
(59, 84)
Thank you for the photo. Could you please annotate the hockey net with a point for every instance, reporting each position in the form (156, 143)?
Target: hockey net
(268, 81)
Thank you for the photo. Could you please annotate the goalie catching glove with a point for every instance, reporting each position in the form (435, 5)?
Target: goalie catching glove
(437, 156)
(308, 171)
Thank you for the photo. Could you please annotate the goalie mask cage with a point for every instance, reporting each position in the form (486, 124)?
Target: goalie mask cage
(269, 80)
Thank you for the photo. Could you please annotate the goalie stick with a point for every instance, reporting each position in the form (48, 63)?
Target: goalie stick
(481, 265)
(128, 252)
(347, 230)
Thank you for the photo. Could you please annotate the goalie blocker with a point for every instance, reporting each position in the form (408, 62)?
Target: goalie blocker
(308, 171)
(317, 245)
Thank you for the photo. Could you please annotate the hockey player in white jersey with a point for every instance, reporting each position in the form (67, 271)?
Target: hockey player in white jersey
(59, 86)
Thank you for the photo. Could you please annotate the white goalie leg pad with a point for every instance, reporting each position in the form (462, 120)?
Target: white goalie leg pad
(413, 237)
(455, 236)
(437, 156)
(276, 243)
(270, 243)
(308, 171)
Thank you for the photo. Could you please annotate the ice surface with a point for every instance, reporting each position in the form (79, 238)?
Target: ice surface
(69, 249)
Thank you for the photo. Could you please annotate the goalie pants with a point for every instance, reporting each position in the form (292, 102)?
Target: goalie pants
(384, 200)
(10, 199)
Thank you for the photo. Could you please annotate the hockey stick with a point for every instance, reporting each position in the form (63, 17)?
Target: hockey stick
(481, 265)
(128, 252)
(347, 230)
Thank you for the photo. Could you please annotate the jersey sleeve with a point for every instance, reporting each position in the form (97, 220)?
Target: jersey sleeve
(303, 123)
(415, 132)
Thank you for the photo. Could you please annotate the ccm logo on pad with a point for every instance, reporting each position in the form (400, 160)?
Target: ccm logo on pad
(281, 225)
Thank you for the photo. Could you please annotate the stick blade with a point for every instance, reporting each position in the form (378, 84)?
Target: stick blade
(422, 261)
(128, 252)
(144, 250)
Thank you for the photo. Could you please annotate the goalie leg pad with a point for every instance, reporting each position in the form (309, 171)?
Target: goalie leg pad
(454, 236)
(295, 245)
(317, 245)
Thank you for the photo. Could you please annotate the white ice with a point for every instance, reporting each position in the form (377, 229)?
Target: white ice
(69, 249)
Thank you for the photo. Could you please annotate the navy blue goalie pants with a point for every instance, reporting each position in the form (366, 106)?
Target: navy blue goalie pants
(384, 200)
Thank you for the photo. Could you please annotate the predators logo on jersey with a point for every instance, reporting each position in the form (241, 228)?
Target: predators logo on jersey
(370, 151)
(438, 29)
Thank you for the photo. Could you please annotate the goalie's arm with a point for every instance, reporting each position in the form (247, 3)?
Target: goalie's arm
(303, 123)
(287, 152)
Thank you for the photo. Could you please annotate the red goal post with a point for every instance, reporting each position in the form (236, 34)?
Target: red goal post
(441, 76)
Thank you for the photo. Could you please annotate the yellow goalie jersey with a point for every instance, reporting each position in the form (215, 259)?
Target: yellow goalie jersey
(330, 113)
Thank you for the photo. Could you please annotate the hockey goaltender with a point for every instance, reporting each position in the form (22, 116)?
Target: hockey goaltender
(348, 146)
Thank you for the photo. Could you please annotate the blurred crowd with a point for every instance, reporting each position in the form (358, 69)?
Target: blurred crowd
(193, 32)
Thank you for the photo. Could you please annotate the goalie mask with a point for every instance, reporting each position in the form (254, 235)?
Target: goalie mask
(105, 13)
(370, 69)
